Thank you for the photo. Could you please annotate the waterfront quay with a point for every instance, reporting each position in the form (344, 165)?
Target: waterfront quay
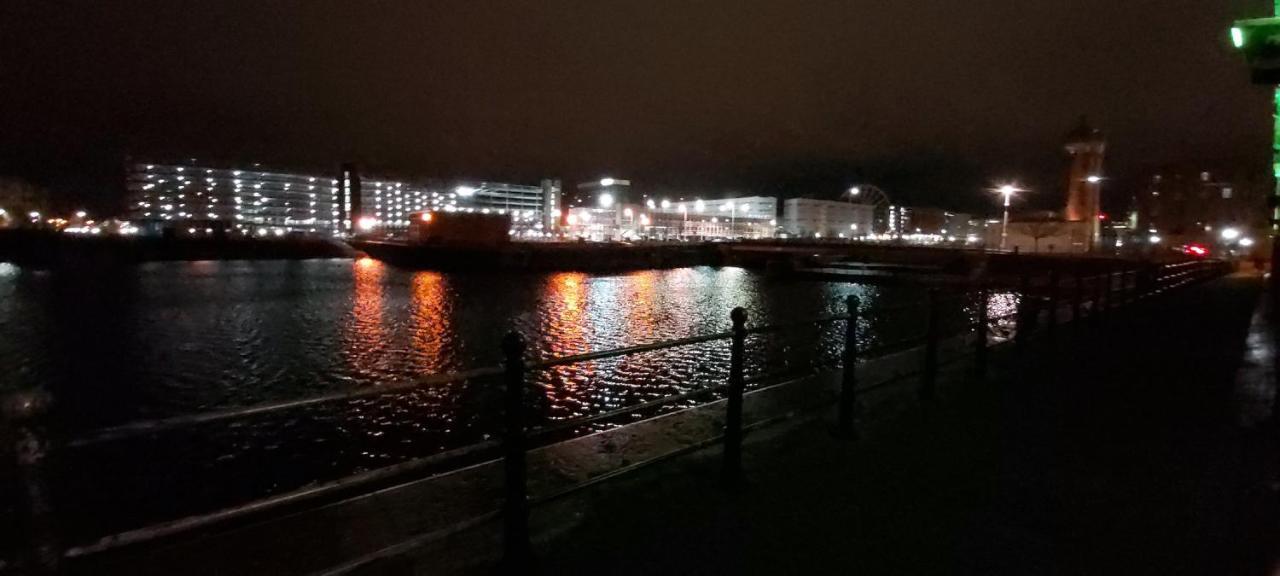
(390, 519)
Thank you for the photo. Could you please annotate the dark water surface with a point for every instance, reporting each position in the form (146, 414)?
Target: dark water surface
(168, 339)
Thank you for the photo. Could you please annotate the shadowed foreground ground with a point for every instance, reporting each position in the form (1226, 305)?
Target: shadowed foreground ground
(1133, 451)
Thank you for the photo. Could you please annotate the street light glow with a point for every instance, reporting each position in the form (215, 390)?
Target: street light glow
(607, 181)
(1246, 242)
(698, 205)
(666, 204)
(605, 200)
(464, 191)
(650, 204)
(1230, 234)
(1237, 37)
(1093, 179)
(367, 223)
(81, 213)
(855, 191)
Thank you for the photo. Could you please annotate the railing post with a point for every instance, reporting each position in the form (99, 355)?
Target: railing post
(25, 416)
(984, 328)
(732, 473)
(517, 553)
(929, 383)
(849, 376)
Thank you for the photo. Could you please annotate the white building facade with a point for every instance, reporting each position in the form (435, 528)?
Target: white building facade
(811, 218)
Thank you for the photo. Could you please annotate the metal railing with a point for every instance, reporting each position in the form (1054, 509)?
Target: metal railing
(29, 444)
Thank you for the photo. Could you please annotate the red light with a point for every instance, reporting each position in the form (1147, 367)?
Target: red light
(1195, 250)
(426, 216)
(1102, 216)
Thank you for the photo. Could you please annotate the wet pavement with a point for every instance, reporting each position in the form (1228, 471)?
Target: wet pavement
(1138, 445)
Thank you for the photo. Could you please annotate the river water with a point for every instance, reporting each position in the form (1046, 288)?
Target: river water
(168, 339)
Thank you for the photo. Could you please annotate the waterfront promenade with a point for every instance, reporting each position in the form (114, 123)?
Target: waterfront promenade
(1137, 446)
(1131, 449)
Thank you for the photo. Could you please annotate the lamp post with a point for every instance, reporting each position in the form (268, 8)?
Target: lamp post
(1007, 191)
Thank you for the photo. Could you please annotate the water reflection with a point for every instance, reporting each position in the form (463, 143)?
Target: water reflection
(208, 336)
(365, 337)
(432, 329)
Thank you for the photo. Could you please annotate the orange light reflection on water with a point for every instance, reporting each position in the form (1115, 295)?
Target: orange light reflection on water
(565, 295)
(365, 333)
(432, 330)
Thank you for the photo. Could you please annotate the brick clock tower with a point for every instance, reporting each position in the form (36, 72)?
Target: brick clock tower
(1086, 147)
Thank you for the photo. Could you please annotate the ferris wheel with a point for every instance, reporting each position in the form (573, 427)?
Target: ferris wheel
(869, 194)
(875, 197)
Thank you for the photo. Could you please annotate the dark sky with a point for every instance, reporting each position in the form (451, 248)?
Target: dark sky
(931, 98)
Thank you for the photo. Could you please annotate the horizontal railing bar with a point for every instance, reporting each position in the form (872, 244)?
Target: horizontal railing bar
(604, 354)
(623, 411)
(384, 474)
(633, 408)
(150, 426)
(793, 325)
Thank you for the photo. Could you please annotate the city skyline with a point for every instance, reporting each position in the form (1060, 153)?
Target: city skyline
(775, 101)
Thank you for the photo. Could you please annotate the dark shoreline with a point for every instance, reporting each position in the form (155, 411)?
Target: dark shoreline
(45, 249)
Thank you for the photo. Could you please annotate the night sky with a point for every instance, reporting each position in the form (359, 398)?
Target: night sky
(932, 99)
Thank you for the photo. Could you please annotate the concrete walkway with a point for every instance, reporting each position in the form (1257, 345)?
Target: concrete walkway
(1135, 446)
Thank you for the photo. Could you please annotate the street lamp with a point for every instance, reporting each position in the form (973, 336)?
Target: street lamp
(1007, 191)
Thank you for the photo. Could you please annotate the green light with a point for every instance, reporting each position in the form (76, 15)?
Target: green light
(1237, 37)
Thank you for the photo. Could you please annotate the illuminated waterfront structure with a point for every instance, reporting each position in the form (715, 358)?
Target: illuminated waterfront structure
(807, 217)
(1086, 147)
(681, 218)
(261, 202)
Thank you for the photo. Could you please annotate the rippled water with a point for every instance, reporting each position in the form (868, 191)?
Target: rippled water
(176, 338)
